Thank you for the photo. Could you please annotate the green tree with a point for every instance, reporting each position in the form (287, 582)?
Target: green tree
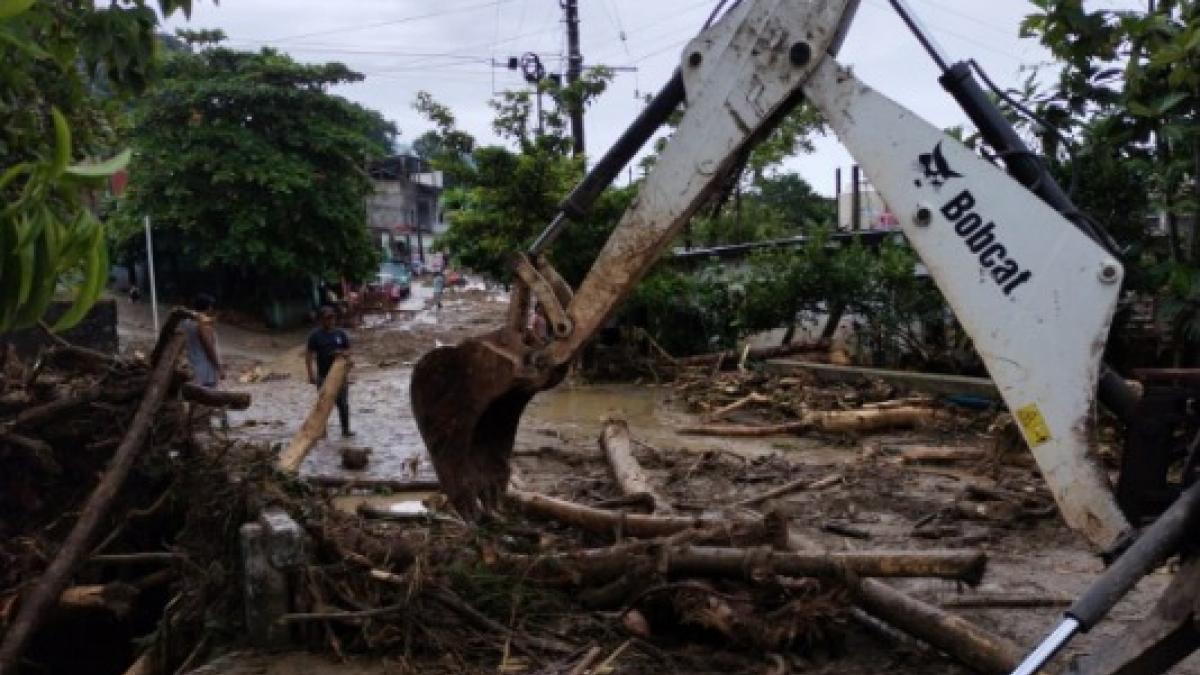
(65, 70)
(503, 197)
(255, 167)
(1130, 85)
(795, 202)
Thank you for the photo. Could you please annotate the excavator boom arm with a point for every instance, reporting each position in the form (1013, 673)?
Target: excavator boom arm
(1035, 293)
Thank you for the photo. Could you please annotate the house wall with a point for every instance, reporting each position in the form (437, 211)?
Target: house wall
(401, 207)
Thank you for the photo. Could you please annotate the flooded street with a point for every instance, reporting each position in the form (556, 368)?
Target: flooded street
(271, 370)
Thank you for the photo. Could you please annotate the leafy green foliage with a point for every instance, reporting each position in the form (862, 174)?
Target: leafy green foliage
(1130, 88)
(65, 69)
(715, 307)
(255, 166)
(772, 206)
(510, 198)
(502, 198)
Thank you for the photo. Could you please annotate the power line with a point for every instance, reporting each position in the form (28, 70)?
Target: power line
(656, 52)
(393, 22)
(465, 54)
(963, 15)
(616, 15)
(942, 29)
(371, 52)
(606, 51)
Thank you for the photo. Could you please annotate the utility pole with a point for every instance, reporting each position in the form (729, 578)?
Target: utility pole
(574, 71)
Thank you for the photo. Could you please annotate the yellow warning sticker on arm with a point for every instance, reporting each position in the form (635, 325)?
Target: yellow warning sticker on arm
(1033, 424)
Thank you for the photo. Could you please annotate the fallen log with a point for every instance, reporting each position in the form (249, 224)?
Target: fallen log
(632, 524)
(594, 566)
(829, 421)
(49, 586)
(234, 400)
(857, 421)
(961, 639)
(939, 454)
(965, 566)
(618, 448)
(1008, 600)
(747, 431)
(116, 598)
(313, 428)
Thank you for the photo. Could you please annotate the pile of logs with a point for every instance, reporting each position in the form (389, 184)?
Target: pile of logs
(75, 425)
(746, 403)
(557, 586)
(676, 552)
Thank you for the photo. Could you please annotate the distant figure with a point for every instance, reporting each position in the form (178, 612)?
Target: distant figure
(202, 352)
(439, 285)
(135, 293)
(324, 344)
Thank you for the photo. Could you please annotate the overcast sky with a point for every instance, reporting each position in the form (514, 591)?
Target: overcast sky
(448, 48)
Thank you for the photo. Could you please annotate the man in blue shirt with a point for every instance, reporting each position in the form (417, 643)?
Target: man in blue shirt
(324, 344)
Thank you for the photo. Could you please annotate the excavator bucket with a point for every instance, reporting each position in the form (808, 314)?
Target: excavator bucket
(468, 400)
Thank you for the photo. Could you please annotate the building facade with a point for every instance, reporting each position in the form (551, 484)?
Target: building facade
(404, 213)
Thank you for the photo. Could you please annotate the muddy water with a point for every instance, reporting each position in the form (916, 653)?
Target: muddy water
(653, 416)
(382, 419)
(379, 414)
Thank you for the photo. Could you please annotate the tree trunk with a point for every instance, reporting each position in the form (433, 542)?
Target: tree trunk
(940, 454)
(831, 421)
(966, 642)
(236, 400)
(313, 428)
(853, 421)
(598, 566)
(630, 477)
(747, 431)
(116, 598)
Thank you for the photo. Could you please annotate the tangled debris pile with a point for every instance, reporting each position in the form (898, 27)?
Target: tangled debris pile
(95, 455)
(615, 565)
(867, 416)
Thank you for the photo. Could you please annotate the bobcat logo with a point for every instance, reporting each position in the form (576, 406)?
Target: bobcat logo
(937, 171)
